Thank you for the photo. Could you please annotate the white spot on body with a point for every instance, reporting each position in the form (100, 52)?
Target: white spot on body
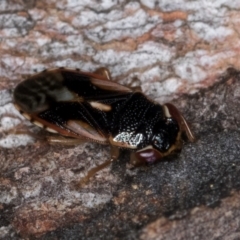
(166, 111)
(62, 94)
(27, 116)
(129, 137)
(38, 124)
(51, 130)
(101, 106)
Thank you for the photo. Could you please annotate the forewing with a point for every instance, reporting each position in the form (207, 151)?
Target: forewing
(68, 101)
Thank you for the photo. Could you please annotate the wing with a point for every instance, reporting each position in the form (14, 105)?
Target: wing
(70, 102)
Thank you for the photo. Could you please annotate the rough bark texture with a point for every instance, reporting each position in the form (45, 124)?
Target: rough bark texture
(167, 49)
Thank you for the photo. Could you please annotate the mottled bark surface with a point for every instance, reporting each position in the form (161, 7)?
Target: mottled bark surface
(168, 49)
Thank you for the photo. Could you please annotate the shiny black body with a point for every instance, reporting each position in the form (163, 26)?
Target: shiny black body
(131, 112)
(84, 106)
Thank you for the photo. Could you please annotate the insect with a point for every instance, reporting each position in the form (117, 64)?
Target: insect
(84, 106)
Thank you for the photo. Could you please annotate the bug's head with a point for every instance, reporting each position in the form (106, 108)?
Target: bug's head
(165, 134)
(164, 140)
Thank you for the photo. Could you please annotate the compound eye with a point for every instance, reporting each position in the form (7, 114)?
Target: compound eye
(148, 155)
(161, 141)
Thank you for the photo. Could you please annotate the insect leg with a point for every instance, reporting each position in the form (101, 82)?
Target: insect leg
(134, 160)
(104, 72)
(114, 156)
(181, 120)
(93, 171)
(114, 153)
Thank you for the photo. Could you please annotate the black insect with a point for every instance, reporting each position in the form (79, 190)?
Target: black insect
(90, 107)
